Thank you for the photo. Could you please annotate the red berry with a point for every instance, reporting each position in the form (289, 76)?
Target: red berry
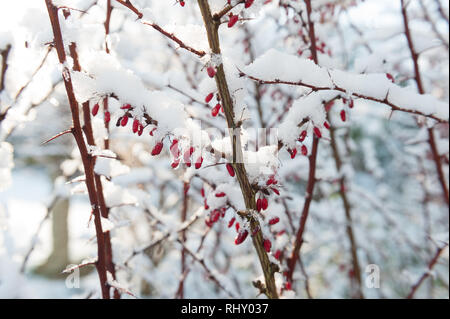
(329, 105)
(390, 77)
(264, 203)
(267, 245)
(343, 116)
(107, 117)
(95, 109)
(215, 110)
(351, 103)
(221, 194)
(202, 192)
(175, 163)
(208, 221)
(206, 205)
(277, 254)
(259, 204)
(182, 3)
(215, 215)
(157, 149)
(248, 3)
(276, 191)
(174, 149)
(209, 97)
(135, 125)
(303, 135)
(152, 131)
(140, 129)
(124, 120)
(230, 169)
(327, 125)
(304, 150)
(271, 181)
(237, 226)
(231, 222)
(293, 153)
(317, 132)
(211, 71)
(288, 286)
(187, 157)
(199, 163)
(233, 20)
(241, 237)
(274, 221)
(126, 107)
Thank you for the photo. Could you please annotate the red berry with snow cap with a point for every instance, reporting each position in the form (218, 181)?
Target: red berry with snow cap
(199, 162)
(215, 110)
(157, 149)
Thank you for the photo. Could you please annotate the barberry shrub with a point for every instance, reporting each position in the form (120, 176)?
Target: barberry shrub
(237, 148)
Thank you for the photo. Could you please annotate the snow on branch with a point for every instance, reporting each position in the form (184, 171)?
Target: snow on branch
(291, 70)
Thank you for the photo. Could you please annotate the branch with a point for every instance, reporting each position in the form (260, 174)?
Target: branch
(171, 36)
(212, 30)
(312, 168)
(78, 134)
(426, 274)
(347, 210)
(421, 89)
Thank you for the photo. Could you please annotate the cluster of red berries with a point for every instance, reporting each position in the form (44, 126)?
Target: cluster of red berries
(304, 149)
(106, 114)
(187, 156)
(218, 107)
(137, 126)
(235, 18)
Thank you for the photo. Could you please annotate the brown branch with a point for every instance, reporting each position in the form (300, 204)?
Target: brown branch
(426, 274)
(4, 53)
(224, 11)
(169, 35)
(421, 89)
(87, 159)
(56, 136)
(184, 271)
(312, 167)
(104, 210)
(347, 210)
(212, 30)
